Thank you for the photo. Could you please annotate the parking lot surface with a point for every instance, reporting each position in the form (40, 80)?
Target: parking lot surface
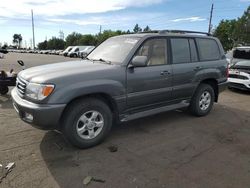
(172, 149)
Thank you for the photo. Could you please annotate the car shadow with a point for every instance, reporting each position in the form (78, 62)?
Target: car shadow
(5, 101)
(69, 165)
(150, 150)
(239, 91)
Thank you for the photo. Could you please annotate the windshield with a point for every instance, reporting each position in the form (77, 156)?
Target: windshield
(242, 54)
(114, 50)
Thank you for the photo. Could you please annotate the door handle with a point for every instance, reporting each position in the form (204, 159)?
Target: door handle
(163, 73)
(197, 68)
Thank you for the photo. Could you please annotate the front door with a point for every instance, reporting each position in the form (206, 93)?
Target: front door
(150, 85)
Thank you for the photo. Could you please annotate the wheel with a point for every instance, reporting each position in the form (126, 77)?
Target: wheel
(202, 101)
(87, 122)
(4, 90)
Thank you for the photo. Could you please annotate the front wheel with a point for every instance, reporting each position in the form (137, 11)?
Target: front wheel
(87, 122)
(202, 101)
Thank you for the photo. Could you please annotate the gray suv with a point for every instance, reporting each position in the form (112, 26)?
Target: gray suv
(124, 78)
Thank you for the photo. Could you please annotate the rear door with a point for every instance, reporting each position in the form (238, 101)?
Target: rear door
(185, 65)
(150, 85)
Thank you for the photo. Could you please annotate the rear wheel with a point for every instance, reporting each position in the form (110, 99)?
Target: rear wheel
(4, 90)
(202, 101)
(87, 122)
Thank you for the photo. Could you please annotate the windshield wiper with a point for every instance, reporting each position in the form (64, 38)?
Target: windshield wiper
(102, 60)
(86, 58)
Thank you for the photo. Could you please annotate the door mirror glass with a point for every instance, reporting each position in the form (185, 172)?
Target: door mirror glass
(139, 61)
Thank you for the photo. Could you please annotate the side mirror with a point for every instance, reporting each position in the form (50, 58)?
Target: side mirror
(139, 61)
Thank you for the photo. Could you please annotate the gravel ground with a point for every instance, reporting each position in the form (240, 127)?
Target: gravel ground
(172, 149)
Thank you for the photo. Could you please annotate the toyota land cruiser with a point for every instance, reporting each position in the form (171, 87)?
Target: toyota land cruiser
(124, 78)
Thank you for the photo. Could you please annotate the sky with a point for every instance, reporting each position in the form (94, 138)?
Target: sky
(86, 16)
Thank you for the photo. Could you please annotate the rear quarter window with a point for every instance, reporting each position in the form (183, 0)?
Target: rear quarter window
(208, 49)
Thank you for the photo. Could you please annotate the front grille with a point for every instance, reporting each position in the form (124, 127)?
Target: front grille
(21, 86)
(238, 76)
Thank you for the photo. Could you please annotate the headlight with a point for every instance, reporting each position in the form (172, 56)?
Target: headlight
(39, 91)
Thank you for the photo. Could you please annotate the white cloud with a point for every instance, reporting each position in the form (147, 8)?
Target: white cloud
(120, 19)
(13, 8)
(189, 19)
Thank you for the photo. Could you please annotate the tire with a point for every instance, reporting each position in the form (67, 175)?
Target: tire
(4, 90)
(78, 126)
(200, 104)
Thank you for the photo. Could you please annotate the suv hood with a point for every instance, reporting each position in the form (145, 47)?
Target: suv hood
(48, 73)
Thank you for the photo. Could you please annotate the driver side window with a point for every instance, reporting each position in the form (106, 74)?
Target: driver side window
(155, 51)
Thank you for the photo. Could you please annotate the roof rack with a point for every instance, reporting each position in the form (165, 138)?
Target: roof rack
(151, 31)
(183, 32)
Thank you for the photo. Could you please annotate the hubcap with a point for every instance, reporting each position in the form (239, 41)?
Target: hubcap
(90, 124)
(205, 100)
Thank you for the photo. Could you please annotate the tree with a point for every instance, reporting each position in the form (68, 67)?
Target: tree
(56, 43)
(226, 32)
(88, 40)
(43, 45)
(17, 39)
(147, 29)
(73, 39)
(137, 29)
(234, 32)
(107, 34)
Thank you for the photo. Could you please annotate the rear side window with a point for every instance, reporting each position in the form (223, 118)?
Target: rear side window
(180, 50)
(208, 49)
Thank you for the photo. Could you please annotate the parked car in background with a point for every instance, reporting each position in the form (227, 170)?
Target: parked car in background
(239, 75)
(58, 52)
(84, 53)
(239, 54)
(124, 78)
(75, 51)
(67, 50)
(3, 51)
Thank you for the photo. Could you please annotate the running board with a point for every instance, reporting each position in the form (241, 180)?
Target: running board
(137, 115)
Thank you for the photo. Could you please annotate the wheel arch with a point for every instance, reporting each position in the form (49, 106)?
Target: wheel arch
(107, 99)
(214, 84)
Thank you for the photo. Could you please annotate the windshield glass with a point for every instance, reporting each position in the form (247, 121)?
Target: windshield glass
(114, 49)
(242, 54)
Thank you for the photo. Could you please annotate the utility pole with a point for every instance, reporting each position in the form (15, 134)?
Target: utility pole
(210, 19)
(61, 35)
(34, 45)
(100, 29)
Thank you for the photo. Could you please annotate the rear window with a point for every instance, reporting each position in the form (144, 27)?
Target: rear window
(208, 49)
(241, 54)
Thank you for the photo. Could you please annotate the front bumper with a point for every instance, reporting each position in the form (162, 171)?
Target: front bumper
(45, 116)
(239, 84)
